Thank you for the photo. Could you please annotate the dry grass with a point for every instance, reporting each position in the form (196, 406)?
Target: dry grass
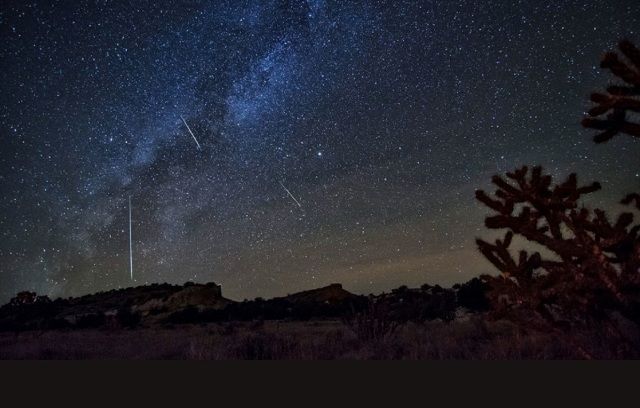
(315, 340)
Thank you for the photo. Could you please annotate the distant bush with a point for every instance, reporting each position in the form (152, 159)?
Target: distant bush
(189, 314)
(374, 323)
(473, 295)
(90, 321)
(128, 319)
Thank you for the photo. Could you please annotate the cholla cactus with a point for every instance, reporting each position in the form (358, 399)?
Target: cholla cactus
(590, 264)
(620, 101)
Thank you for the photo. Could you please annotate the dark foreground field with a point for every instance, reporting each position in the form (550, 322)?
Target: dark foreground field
(470, 338)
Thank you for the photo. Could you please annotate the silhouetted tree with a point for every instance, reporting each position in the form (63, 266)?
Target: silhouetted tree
(23, 298)
(400, 290)
(620, 99)
(28, 298)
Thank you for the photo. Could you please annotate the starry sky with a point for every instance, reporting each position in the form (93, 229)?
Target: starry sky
(332, 141)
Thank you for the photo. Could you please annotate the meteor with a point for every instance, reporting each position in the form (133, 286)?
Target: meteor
(290, 195)
(130, 243)
(189, 129)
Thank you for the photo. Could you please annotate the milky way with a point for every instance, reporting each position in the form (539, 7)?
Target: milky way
(380, 118)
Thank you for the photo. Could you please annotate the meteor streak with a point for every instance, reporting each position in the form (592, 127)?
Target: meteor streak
(189, 129)
(130, 243)
(290, 195)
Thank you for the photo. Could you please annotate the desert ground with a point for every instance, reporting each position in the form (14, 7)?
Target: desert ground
(470, 338)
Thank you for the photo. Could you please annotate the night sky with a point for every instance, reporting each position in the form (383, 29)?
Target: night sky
(379, 118)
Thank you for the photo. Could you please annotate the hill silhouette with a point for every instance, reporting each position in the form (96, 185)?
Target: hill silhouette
(192, 303)
(331, 294)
